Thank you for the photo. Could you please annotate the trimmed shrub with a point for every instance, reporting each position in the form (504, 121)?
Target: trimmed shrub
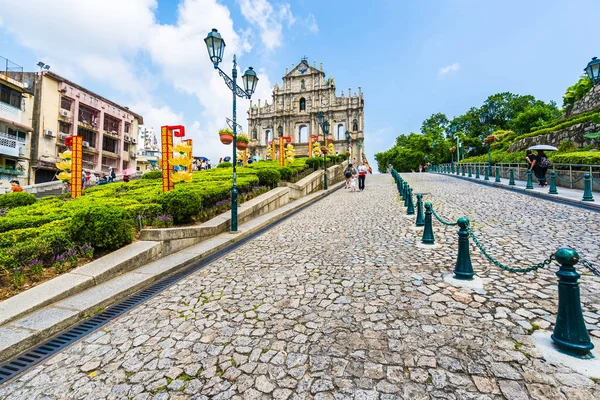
(182, 204)
(225, 165)
(16, 199)
(286, 173)
(577, 157)
(314, 163)
(152, 175)
(106, 227)
(268, 177)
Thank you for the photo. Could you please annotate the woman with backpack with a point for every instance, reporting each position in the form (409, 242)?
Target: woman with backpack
(349, 172)
(540, 166)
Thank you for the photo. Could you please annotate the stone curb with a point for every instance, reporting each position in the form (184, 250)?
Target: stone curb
(31, 329)
(589, 205)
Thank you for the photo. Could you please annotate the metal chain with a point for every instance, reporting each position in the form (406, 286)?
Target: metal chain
(497, 263)
(568, 181)
(589, 266)
(441, 220)
(596, 180)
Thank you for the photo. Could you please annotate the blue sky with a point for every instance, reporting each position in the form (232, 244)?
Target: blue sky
(411, 58)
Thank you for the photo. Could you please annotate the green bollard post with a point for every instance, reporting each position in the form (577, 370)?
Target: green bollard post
(511, 181)
(587, 188)
(463, 269)
(410, 207)
(457, 170)
(428, 237)
(477, 172)
(452, 168)
(552, 189)
(405, 195)
(486, 176)
(420, 217)
(497, 174)
(470, 175)
(529, 180)
(570, 334)
(463, 170)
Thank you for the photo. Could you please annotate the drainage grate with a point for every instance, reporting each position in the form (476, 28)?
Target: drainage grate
(28, 359)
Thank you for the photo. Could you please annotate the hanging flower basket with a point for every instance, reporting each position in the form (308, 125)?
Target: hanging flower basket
(323, 149)
(226, 136)
(241, 141)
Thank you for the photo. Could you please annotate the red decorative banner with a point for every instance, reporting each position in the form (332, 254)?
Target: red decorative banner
(76, 143)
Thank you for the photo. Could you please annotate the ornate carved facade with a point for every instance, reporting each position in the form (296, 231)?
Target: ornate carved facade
(293, 112)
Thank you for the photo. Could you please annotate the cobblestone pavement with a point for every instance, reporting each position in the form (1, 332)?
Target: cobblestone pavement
(338, 303)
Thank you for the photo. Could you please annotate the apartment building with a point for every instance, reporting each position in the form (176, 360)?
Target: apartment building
(148, 151)
(63, 108)
(16, 106)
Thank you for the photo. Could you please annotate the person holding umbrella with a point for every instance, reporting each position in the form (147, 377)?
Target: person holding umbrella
(540, 164)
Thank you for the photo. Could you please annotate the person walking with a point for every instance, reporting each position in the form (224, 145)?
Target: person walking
(348, 173)
(540, 166)
(529, 157)
(420, 168)
(362, 174)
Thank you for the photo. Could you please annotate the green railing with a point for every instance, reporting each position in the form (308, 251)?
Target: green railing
(570, 334)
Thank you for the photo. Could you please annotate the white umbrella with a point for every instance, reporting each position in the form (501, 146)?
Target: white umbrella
(542, 147)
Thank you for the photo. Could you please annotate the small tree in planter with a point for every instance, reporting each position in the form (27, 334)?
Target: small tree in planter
(241, 141)
(226, 135)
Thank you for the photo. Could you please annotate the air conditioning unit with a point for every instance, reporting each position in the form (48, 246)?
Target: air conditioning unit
(49, 133)
(133, 141)
(65, 113)
(85, 144)
(63, 136)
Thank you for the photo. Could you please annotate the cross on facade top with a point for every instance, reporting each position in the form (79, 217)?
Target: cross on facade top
(304, 58)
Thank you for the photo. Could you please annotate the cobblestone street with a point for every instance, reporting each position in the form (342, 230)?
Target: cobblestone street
(337, 302)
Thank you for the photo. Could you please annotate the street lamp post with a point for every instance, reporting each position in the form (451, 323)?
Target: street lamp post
(216, 46)
(324, 124)
(348, 140)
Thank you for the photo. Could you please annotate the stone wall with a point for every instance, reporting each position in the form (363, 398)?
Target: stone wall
(574, 133)
(589, 102)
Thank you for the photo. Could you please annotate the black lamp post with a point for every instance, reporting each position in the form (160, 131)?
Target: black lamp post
(324, 124)
(216, 46)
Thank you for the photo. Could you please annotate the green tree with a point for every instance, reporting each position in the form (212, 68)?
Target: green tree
(578, 90)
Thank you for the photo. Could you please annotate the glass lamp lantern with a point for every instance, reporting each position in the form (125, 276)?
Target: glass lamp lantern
(250, 80)
(483, 118)
(593, 70)
(215, 46)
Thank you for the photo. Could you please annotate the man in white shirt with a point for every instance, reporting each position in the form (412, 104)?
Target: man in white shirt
(362, 174)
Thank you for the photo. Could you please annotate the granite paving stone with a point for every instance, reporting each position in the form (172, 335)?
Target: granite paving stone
(337, 302)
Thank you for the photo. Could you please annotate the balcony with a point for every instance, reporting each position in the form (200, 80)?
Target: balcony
(112, 134)
(110, 154)
(11, 145)
(10, 171)
(85, 124)
(9, 112)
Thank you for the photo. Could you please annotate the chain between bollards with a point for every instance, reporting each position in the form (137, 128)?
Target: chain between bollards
(441, 220)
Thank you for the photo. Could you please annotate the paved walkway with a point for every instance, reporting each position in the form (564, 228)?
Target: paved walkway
(564, 193)
(338, 303)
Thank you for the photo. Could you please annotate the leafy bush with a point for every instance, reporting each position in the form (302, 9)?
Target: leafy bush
(565, 146)
(314, 163)
(342, 157)
(16, 199)
(152, 175)
(104, 226)
(182, 204)
(225, 165)
(577, 157)
(286, 173)
(578, 90)
(242, 137)
(268, 177)
(226, 131)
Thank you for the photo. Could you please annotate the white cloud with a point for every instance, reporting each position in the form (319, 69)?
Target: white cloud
(268, 20)
(448, 69)
(311, 23)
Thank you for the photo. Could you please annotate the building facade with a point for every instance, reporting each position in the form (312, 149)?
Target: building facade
(293, 110)
(16, 107)
(148, 151)
(61, 109)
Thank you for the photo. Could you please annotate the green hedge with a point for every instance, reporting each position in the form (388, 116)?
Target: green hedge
(16, 199)
(577, 157)
(225, 165)
(104, 226)
(268, 177)
(182, 204)
(152, 175)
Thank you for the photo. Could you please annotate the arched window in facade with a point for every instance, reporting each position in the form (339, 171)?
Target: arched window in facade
(268, 136)
(303, 104)
(303, 134)
(280, 131)
(340, 132)
(355, 126)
